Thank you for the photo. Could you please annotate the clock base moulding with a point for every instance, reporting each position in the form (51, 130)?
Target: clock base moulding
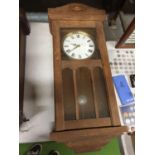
(87, 140)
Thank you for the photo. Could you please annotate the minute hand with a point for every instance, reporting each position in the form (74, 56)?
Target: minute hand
(75, 47)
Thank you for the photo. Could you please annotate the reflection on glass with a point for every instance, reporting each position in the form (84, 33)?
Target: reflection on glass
(101, 94)
(85, 93)
(68, 94)
(82, 100)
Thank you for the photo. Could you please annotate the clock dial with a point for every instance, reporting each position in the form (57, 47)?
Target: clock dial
(78, 45)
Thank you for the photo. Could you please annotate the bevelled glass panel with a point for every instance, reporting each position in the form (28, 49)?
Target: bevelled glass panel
(85, 98)
(101, 94)
(68, 94)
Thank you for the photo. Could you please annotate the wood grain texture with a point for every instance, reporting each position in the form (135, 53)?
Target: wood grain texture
(68, 94)
(74, 64)
(88, 123)
(94, 94)
(85, 93)
(75, 92)
(86, 146)
(88, 139)
(74, 135)
(74, 11)
(100, 92)
(59, 108)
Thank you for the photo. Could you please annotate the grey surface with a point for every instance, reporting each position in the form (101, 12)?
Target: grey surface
(126, 19)
(38, 91)
(37, 17)
(127, 145)
(113, 33)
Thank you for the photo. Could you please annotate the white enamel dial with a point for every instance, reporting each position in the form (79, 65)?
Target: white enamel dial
(78, 45)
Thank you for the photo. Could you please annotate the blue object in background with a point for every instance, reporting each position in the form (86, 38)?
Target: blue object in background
(123, 89)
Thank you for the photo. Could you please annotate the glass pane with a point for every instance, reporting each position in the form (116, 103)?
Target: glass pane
(101, 94)
(85, 93)
(68, 94)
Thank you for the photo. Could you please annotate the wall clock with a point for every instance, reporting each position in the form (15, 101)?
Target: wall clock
(78, 45)
(86, 113)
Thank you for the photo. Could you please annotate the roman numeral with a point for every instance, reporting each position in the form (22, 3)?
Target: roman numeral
(90, 51)
(66, 46)
(73, 54)
(68, 51)
(79, 56)
(86, 54)
(78, 36)
(91, 45)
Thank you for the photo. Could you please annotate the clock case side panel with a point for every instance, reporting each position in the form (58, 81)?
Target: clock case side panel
(108, 76)
(59, 109)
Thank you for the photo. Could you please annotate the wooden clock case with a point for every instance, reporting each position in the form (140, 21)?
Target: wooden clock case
(92, 130)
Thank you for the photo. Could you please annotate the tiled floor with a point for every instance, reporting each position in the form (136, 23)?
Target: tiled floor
(113, 33)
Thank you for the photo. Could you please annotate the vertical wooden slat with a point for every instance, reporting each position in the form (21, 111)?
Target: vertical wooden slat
(85, 93)
(68, 95)
(94, 95)
(75, 94)
(57, 78)
(108, 76)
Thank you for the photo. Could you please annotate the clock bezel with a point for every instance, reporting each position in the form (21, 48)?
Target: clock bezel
(82, 32)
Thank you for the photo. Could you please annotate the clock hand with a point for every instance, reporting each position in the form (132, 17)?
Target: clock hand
(75, 47)
(74, 44)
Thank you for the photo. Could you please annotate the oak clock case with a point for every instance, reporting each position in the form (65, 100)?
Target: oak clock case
(86, 113)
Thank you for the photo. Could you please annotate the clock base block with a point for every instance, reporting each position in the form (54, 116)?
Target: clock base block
(87, 140)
